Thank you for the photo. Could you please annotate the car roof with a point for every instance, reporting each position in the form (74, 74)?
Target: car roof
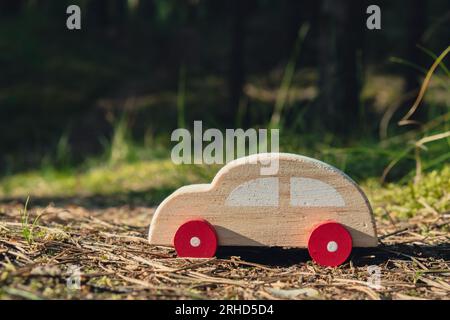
(262, 157)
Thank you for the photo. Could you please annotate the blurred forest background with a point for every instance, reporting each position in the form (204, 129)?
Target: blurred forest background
(89, 113)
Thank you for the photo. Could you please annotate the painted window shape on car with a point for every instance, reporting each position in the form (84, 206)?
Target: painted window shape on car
(261, 192)
(307, 192)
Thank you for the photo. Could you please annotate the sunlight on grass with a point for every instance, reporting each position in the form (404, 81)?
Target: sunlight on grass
(397, 200)
(102, 180)
(432, 193)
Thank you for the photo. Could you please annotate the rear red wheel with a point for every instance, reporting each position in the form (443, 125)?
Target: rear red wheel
(330, 244)
(195, 239)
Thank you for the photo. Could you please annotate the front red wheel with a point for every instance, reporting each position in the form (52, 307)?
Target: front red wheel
(195, 239)
(330, 244)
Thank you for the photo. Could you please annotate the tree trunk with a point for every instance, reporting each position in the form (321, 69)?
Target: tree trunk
(415, 27)
(339, 85)
(146, 9)
(11, 7)
(120, 10)
(98, 12)
(236, 76)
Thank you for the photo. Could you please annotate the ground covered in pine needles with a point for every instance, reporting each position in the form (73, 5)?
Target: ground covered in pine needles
(106, 249)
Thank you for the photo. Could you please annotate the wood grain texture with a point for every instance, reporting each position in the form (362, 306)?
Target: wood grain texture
(280, 220)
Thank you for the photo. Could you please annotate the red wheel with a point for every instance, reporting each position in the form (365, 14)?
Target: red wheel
(330, 244)
(195, 239)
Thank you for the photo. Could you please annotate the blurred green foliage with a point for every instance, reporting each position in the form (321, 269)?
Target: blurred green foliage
(91, 112)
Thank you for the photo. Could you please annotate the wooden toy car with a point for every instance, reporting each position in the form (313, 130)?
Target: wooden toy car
(307, 204)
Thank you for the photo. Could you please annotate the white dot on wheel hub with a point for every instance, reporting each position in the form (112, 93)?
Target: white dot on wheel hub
(195, 241)
(332, 246)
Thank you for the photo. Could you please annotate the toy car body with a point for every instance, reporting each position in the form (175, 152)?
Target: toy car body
(306, 204)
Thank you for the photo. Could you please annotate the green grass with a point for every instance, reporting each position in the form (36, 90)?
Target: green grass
(432, 192)
(149, 182)
(129, 172)
(28, 229)
(288, 75)
(97, 180)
